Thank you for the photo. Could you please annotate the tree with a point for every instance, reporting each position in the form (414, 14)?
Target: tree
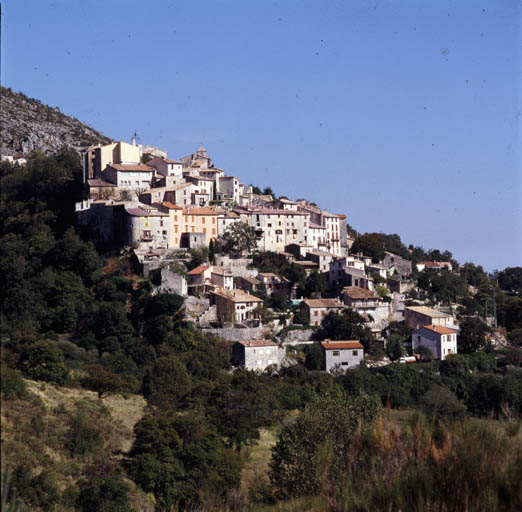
(510, 279)
(176, 456)
(327, 425)
(315, 284)
(104, 494)
(424, 352)
(394, 347)
(167, 382)
(349, 325)
(239, 238)
(103, 381)
(369, 244)
(472, 335)
(211, 251)
(43, 361)
(267, 191)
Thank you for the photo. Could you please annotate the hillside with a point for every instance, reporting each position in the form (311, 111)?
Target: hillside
(27, 124)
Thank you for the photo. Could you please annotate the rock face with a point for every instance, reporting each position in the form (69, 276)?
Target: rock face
(28, 125)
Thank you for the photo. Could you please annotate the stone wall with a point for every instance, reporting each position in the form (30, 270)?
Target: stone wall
(238, 266)
(298, 337)
(236, 334)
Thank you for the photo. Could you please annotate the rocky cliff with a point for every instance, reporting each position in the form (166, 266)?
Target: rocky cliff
(26, 125)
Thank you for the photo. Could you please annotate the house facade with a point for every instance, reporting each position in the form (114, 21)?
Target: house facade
(318, 309)
(442, 341)
(237, 306)
(256, 354)
(419, 316)
(341, 355)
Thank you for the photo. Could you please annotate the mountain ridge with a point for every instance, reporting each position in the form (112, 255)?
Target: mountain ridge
(27, 125)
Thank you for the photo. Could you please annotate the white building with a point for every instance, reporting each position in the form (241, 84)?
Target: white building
(341, 355)
(134, 178)
(276, 229)
(256, 354)
(442, 341)
(166, 167)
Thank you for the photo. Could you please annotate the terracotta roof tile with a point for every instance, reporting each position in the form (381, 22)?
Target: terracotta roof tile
(341, 344)
(439, 329)
(355, 292)
(198, 270)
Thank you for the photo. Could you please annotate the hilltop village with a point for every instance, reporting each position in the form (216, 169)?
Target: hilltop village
(205, 235)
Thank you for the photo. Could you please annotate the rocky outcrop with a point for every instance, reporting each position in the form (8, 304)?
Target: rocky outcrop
(27, 125)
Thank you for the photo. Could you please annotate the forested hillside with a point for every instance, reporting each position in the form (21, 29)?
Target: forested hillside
(84, 340)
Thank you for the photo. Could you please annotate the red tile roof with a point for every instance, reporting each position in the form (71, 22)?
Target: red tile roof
(355, 292)
(198, 270)
(131, 167)
(439, 329)
(323, 303)
(336, 345)
(199, 211)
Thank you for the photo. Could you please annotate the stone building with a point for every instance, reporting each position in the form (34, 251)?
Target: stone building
(256, 354)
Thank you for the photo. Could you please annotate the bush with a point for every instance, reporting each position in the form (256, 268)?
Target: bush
(12, 383)
(84, 437)
(44, 361)
(105, 494)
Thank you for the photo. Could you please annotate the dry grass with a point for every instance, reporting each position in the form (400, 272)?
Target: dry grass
(256, 466)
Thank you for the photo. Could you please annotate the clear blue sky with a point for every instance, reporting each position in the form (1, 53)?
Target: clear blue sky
(405, 114)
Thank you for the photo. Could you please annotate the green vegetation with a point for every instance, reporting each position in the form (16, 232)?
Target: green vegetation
(84, 343)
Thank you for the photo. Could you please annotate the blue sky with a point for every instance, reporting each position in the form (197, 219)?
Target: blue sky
(405, 115)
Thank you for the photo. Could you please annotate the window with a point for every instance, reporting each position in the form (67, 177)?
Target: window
(261, 351)
(268, 351)
(336, 353)
(344, 363)
(316, 313)
(259, 362)
(355, 352)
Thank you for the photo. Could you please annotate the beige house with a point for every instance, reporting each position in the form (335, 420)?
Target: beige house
(275, 229)
(317, 309)
(166, 166)
(189, 220)
(134, 178)
(332, 223)
(419, 316)
(98, 157)
(223, 278)
(322, 258)
(237, 306)
(317, 236)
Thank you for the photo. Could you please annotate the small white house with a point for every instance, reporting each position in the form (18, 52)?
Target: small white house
(442, 341)
(341, 355)
(256, 354)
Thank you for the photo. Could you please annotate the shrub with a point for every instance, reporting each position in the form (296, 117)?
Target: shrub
(12, 383)
(84, 437)
(44, 361)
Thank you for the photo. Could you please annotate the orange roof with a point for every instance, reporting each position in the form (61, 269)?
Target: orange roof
(355, 292)
(336, 345)
(131, 167)
(439, 329)
(171, 206)
(198, 270)
(199, 211)
(323, 303)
